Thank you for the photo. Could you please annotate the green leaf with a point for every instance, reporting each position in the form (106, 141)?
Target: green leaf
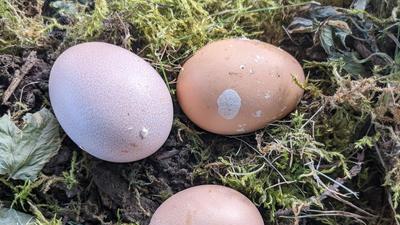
(342, 35)
(360, 4)
(353, 67)
(322, 12)
(326, 39)
(14, 217)
(341, 30)
(65, 8)
(23, 153)
(69, 8)
(301, 25)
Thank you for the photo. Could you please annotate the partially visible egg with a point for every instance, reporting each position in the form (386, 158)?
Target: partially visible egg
(237, 86)
(110, 102)
(207, 205)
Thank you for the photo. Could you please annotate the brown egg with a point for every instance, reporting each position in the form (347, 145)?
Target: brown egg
(237, 86)
(207, 205)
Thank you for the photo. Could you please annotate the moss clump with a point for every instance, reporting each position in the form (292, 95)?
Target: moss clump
(19, 29)
(315, 166)
(281, 173)
(169, 31)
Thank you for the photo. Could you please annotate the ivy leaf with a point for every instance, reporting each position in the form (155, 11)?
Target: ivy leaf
(68, 8)
(326, 39)
(351, 64)
(331, 31)
(64, 8)
(301, 25)
(23, 153)
(322, 12)
(14, 217)
(360, 4)
(341, 30)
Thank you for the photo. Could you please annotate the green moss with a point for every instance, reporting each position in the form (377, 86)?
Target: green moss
(290, 165)
(70, 177)
(281, 172)
(87, 26)
(41, 220)
(172, 30)
(18, 30)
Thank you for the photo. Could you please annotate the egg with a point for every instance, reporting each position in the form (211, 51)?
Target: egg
(207, 205)
(110, 102)
(237, 86)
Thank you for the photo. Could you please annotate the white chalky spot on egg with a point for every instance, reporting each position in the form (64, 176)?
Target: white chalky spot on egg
(267, 95)
(241, 130)
(241, 127)
(251, 71)
(144, 132)
(229, 103)
(258, 58)
(258, 113)
(242, 67)
(283, 109)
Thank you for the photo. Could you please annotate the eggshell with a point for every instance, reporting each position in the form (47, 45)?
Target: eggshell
(237, 86)
(110, 102)
(207, 205)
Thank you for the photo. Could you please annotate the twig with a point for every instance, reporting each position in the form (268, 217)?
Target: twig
(249, 173)
(385, 167)
(390, 199)
(378, 152)
(338, 183)
(329, 192)
(312, 117)
(19, 75)
(125, 42)
(138, 199)
(332, 195)
(366, 53)
(262, 156)
(357, 217)
(279, 184)
(331, 188)
(22, 89)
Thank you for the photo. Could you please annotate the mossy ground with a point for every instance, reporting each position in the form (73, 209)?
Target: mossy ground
(335, 160)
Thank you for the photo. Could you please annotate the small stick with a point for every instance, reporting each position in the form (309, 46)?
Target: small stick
(19, 75)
